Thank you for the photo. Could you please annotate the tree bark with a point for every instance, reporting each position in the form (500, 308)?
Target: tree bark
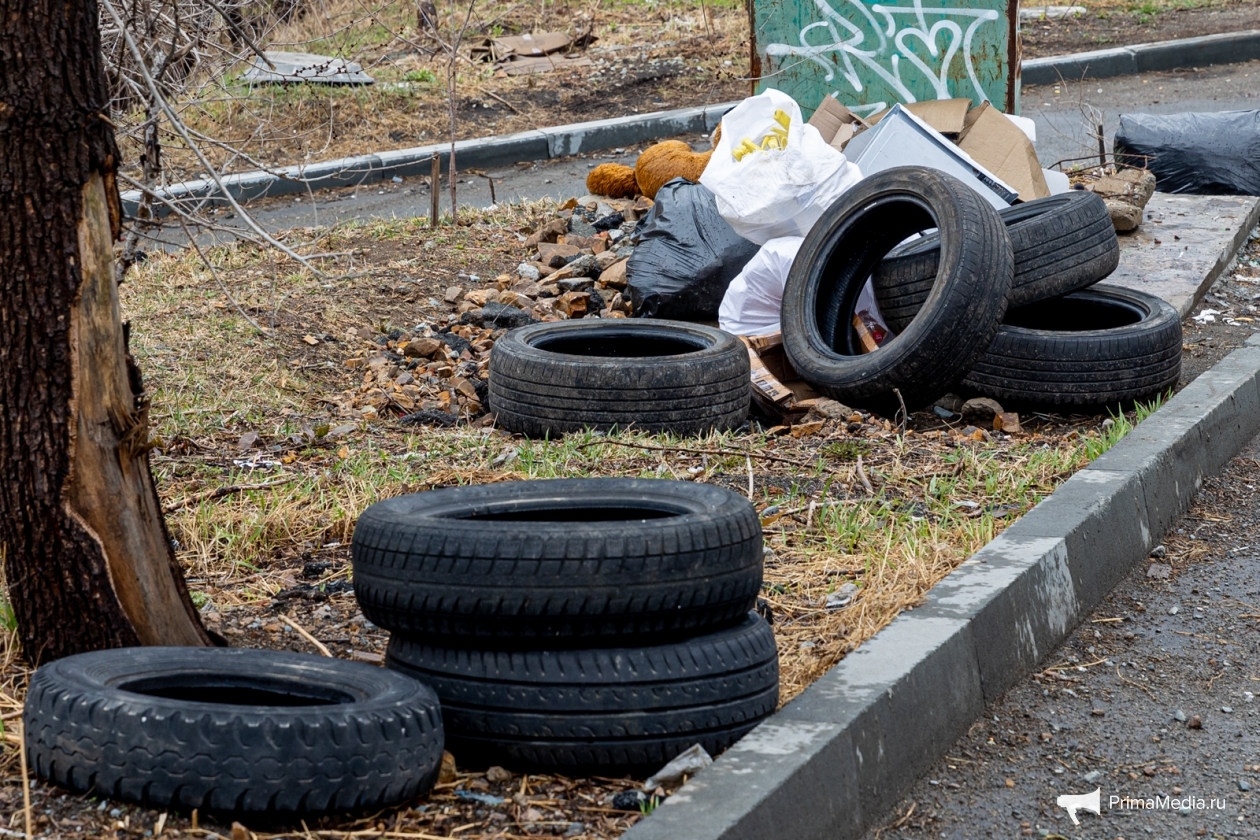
(87, 557)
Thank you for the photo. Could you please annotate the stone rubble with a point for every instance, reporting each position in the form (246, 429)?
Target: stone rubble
(574, 266)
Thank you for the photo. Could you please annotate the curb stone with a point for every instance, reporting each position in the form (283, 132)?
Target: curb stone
(1229, 48)
(563, 140)
(838, 757)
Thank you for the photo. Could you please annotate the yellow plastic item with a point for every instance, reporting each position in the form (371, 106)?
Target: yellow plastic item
(776, 139)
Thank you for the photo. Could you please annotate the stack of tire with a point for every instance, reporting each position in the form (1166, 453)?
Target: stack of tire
(574, 624)
(996, 302)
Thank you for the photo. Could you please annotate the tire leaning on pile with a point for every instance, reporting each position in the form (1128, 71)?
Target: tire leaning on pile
(960, 315)
(657, 376)
(1061, 244)
(1101, 347)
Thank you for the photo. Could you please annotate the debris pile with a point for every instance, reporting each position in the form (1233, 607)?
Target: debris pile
(575, 267)
(432, 376)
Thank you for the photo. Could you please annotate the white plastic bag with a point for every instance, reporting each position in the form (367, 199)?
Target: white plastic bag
(772, 173)
(753, 299)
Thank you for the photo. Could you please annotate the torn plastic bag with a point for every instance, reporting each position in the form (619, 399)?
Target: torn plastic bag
(686, 257)
(752, 301)
(1198, 154)
(772, 173)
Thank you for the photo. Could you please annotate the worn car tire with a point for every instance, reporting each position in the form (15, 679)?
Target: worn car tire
(1098, 347)
(233, 730)
(582, 710)
(659, 376)
(962, 311)
(1061, 243)
(548, 563)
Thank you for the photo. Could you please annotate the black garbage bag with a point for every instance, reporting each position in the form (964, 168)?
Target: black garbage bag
(686, 257)
(1199, 154)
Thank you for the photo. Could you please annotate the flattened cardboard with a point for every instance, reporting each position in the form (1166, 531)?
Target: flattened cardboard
(540, 64)
(504, 49)
(945, 115)
(1001, 147)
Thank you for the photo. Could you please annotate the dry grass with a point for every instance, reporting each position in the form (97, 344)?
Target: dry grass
(263, 530)
(667, 49)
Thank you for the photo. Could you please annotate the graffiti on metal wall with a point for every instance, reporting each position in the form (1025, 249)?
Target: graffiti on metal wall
(892, 45)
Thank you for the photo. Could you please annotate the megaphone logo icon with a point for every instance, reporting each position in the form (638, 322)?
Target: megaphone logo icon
(1080, 802)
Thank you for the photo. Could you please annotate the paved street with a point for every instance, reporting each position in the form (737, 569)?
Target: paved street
(1153, 696)
(1064, 115)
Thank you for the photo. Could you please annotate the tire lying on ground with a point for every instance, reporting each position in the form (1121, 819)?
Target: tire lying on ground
(583, 710)
(960, 315)
(233, 730)
(1061, 243)
(1099, 347)
(546, 563)
(659, 376)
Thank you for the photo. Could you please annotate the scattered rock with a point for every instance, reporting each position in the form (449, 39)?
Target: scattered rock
(498, 774)
(557, 255)
(549, 232)
(498, 315)
(980, 411)
(1158, 571)
(1008, 422)
(453, 294)
(614, 276)
(1244, 785)
(687, 763)
(610, 221)
(951, 403)
(575, 284)
(1179, 716)
(582, 266)
(573, 304)
(528, 272)
(429, 417)
(1159, 551)
(1195, 722)
(421, 348)
(247, 441)
(630, 800)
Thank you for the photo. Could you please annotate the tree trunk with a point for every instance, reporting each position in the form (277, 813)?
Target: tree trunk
(87, 557)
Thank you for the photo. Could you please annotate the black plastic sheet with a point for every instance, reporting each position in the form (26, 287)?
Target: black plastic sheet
(1198, 154)
(686, 257)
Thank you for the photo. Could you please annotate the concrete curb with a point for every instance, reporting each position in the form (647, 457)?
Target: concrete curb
(837, 758)
(1229, 48)
(563, 140)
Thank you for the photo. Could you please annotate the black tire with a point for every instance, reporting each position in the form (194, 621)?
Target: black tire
(1061, 243)
(585, 710)
(1104, 346)
(232, 730)
(659, 376)
(545, 563)
(960, 315)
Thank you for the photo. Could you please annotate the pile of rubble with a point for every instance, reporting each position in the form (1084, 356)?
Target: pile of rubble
(575, 267)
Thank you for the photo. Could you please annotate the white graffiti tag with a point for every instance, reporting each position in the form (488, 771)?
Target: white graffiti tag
(836, 42)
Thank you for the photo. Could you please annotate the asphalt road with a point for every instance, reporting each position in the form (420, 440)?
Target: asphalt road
(1065, 115)
(1153, 696)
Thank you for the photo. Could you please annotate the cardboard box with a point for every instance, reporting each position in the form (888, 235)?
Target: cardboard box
(836, 123)
(948, 116)
(777, 387)
(903, 139)
(1001, 147)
